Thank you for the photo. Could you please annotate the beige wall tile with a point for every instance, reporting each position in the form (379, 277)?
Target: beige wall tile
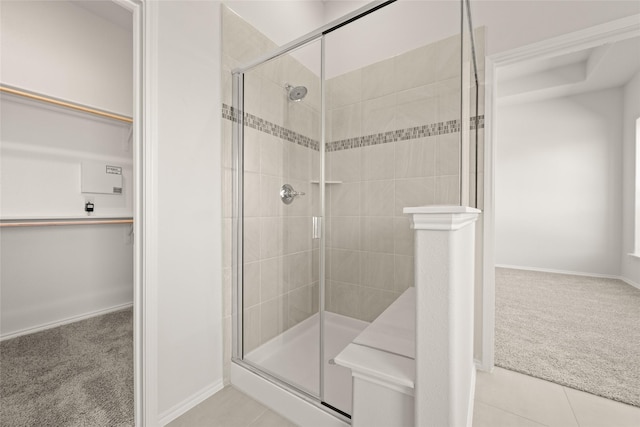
(403, 236)
(272, 102)
(272, 154)
(447, 190)
(448, 154)
(415, 158)
(345, 166)
(345, 199)
(272, 283)
(416, 68)
(378, 79)
(251, 233)
(378, 161)
(413, 192)
(377, 198)
(299, 267)
(251, 328)
(270, 203)
(345, 233)
(252, 285)
(345, 266)
(379, 115)
(346, 122)
(251, 194)
(374, 302)
(344, 89)
(447, 61)
(377, 270)
(274, 318)
(403, 273)
(251, 150)
(417, 112)
(345, 299)
(300, 305)
(378, 234)
(271, 237)
(298, 234)
(299, 162)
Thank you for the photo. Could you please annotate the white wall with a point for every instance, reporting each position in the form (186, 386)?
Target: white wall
(65, 51)
(558, 184)
(186, 120)
(57, 274)
(630, 267)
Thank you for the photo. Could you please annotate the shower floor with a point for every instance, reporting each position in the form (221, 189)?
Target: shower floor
(294, 357)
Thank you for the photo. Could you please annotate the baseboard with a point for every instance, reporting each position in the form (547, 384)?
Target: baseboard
(572, 273)
(66, 321)
(630, 282)
(189, 403)
(472, 396)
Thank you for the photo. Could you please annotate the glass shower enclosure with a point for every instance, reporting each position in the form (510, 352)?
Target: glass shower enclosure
(334, 134)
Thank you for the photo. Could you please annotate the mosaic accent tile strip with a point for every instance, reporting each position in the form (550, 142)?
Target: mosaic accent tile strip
(432, 129)
(265, 126)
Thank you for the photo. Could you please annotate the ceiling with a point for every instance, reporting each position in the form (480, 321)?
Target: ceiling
(603, 67)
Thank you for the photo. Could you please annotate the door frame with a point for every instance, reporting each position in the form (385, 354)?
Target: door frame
(145, 382)
(613, 31)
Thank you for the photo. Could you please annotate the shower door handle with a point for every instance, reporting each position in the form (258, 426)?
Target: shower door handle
(287, 194)
(317, 227)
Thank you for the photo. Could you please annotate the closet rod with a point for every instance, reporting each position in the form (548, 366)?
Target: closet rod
(60, 103)
(46, 223)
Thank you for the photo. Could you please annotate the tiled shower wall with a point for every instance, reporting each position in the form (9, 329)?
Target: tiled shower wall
(394, 134)
(280, 136)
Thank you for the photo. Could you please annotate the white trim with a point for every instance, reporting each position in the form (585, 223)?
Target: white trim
(472, 397)
(72, 319)
(147, 231)
(634, 255)
(571, 273)
(609, 32)
(292, 407)
(556, 271)
(441, 217)
(629, 282)
(143, 393)
(190, 403)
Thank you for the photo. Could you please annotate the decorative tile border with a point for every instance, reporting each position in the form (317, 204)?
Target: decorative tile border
(265, 126)
(440, 128)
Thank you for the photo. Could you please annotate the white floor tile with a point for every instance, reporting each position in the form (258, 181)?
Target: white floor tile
(528, 397)
(488, 416)
(596, 411)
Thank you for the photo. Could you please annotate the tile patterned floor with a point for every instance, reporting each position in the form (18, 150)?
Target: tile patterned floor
(503, 399)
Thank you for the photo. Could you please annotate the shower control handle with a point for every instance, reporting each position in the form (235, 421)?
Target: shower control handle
(287, 194)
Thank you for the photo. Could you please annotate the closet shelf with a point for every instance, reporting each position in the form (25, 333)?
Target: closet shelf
(61, 103)
(63, 222)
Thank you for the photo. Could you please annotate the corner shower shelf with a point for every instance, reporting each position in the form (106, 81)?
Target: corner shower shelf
(327, 182)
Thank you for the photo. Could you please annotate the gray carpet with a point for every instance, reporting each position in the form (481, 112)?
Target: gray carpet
(79, 374)
(581, 332)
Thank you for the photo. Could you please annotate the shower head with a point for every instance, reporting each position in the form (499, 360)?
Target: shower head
(296, 93)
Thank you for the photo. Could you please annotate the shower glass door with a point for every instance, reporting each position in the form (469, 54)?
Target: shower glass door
(281, 205)
(336, 135)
